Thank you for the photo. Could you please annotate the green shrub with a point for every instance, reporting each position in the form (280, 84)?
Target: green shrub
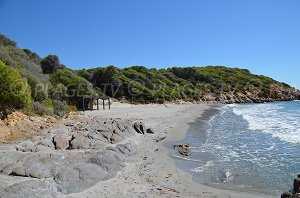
(15, 91)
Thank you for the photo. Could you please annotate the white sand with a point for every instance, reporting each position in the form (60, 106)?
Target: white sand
(152, 172)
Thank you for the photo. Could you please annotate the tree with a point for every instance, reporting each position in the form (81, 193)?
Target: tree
(6, 41)
(50, 64)
(15, 91)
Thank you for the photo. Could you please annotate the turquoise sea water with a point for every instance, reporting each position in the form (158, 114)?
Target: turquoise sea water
(252, 147)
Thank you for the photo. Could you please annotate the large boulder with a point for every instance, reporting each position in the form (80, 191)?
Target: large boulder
(15, 187)
(79, 177)
(61, 141)
(80, 142)
(38, 165)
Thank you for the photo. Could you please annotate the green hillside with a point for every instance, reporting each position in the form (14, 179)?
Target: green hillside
(50, 83)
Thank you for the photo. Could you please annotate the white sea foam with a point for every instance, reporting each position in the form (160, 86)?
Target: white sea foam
(273, 119)
(203, 168)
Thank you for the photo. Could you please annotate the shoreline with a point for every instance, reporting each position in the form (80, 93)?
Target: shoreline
(152, 171)
(194, 186)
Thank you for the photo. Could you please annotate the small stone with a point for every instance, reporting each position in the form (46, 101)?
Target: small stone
(149, 130)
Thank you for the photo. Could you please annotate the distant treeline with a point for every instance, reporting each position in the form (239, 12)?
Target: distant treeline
(44, 85)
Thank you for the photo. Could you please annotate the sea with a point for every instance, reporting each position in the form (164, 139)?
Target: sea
(246, 147)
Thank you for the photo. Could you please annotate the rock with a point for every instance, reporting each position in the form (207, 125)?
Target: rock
(15, 187)
(149, 130)
(58, 131)
(46, 142)
(139, 127)
(27, 146)
(160, 138)
(297, 195)
(38, 165)
(79, 177)
(297, 183)
(9, 159)
(43, 148)
(61, 141)
(112, 158)
(184, 149)
(80, 142)
(287, 195)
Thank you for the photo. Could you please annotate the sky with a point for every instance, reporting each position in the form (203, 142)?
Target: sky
(260, 35)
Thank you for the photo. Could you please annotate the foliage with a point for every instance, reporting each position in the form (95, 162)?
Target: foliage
(50, 84)
(6, 41)
(50, 64)
(15, 91)
(66, 82)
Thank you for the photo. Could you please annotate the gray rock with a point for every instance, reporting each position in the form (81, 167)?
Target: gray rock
(26, 187)
(10, 159)
(27, 146)
(139, 127)
(109, 160)
(46, 142)
(81, 142)
(43, 148)
(184, 149)
(79, 177)
(61, 141)
(150, 130)
(160, 138)
(38, 165)
(58, 131)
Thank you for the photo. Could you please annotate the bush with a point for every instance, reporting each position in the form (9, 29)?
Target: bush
(41, 109)
(60, 107)
(6, 41)
(15, 91)
(50, 64)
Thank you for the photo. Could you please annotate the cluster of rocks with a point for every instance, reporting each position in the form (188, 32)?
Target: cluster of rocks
(296, 190)
(183, 149)
(68, 158)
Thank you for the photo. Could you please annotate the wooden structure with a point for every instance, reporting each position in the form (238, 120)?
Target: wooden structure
(87, 102)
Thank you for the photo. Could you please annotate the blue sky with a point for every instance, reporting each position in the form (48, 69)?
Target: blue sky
(260, 35)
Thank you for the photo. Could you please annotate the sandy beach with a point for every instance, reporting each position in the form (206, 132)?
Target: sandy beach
(152, 172)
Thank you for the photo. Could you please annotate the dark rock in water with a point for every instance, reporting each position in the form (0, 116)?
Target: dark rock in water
(296, 189)
(297, 195)
(287, 195)
(149, 130)
(184, 149)
(222, 176)
(297, 183)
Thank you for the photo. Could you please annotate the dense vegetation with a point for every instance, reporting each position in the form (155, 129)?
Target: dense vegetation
(47, 84)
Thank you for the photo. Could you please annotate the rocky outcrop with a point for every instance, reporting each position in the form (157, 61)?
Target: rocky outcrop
(296, 189)
(253, 95)
(72, 171)
(68, 158)
(183, 149)
(139, 127)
